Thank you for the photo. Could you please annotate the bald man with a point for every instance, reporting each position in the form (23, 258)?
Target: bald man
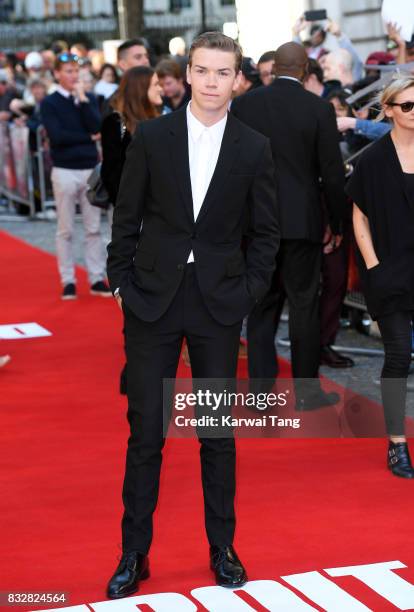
(305, 147)
(337, 66)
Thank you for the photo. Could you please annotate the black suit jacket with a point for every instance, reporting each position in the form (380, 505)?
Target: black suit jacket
(154, 230)
(305, 147)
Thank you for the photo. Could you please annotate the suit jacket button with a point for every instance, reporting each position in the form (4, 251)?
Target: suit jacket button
(180, 267)
(193, 235)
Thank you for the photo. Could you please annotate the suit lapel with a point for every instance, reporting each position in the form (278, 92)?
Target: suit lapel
(179, 157)
(396, 168)
(229, 150)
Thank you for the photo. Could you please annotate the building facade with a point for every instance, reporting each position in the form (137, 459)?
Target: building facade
(263, 24)
(360, 20)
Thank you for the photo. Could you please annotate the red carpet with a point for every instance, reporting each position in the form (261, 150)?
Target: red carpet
(302, 505)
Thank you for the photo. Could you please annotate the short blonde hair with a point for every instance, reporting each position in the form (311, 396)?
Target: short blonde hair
(400, 82)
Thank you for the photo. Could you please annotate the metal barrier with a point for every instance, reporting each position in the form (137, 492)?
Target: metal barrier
(44, 165)
(16, 172)
(25, 174)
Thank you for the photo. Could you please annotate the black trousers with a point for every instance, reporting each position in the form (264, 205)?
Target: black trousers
(153, 351)
(396, 332)
(298, 267)
(334, 284)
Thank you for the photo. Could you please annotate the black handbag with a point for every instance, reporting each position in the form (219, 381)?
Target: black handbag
(96, 193)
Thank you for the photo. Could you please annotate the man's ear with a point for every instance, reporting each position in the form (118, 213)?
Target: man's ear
(121, 64)
(188, 74)
(237, 81)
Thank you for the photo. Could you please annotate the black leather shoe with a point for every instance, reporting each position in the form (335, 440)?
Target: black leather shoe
(399, 461)
(317, 400)
(132, 568)
(333, 359)
(227, 567)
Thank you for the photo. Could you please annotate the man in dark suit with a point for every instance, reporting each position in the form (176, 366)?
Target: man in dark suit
(192, 181)
(304, 140)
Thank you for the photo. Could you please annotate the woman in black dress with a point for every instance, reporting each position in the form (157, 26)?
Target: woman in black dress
(382, 188)
(137, 99)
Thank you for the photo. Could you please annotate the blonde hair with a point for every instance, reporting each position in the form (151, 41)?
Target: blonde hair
(400, 82)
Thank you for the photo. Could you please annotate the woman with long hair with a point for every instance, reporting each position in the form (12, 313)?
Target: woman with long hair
(382, 189)
(137, 99)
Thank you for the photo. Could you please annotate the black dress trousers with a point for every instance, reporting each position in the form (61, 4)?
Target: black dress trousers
(298, 267)
(334, 285)
(153, 350)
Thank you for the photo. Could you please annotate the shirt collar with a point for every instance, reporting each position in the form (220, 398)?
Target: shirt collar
(63, 92)
(195, 127)
(290, 79)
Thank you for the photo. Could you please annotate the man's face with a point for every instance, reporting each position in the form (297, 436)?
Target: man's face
(213, 78)
(68, 75)
(134, 56)
(265, 71)
(48, 59)
(317, 38)
(86, 77)
(340, 109)
(171, 86)
(3, 87)
(38, 92)
(312, 84)
(330, 68)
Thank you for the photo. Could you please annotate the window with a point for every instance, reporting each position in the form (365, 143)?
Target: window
(176, 5)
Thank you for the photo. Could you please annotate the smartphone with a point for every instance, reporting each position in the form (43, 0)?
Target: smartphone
(318, 15)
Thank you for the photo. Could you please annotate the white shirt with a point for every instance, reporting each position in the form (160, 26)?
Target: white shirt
(102, 88)
(289, 78)
(204, 145)
(63, 92)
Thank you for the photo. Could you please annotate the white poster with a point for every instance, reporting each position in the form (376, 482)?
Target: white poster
(21, 331)
(400, 12)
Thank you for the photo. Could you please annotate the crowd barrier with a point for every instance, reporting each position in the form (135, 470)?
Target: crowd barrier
(25, 168)
(43, 163)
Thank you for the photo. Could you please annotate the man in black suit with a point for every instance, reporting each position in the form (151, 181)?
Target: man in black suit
(304, 140)
(193, 180)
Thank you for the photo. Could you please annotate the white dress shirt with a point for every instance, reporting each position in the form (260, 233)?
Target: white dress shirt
(66, 94)
(63, 92)
(289, 78)
(204, 145)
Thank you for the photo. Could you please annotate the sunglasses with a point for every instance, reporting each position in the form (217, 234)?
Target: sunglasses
(406, 107)
(68, 57)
